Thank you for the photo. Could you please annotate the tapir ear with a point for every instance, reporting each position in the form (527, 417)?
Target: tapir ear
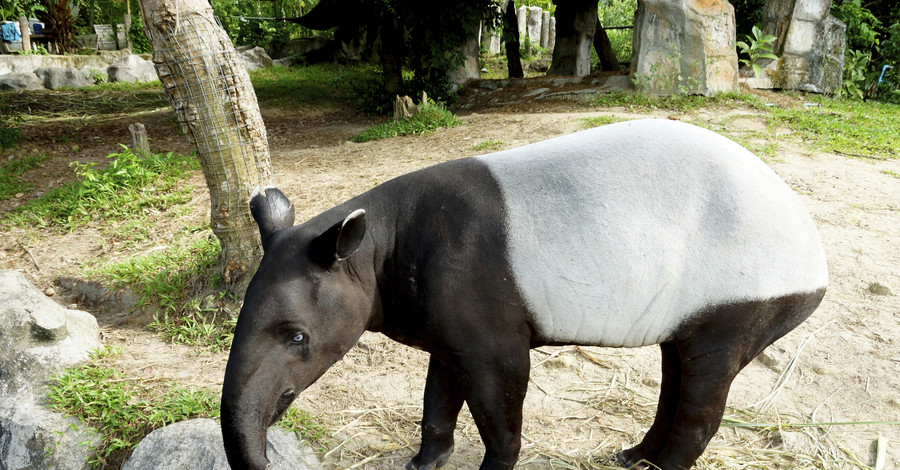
(272, 211)
(341, 240)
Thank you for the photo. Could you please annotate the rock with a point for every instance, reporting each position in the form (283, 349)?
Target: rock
(55, 78)
(470, 68)
(809, 43)
(254, 57)
(197, 444)
(283, 62)
(684, 46)
(132, 69)
(490, 39)
(38, 339)
(522, 20)
(878, 288)
(533, 27)
(551, 34)
(540, 65)
(19, 81)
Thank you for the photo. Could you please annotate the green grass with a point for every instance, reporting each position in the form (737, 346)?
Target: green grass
(891, 173)
(125, 409)
(598, 121)
(684, 103)
(12, 170)
(488, 145)
(320, 84)
(853, 128)
(127, 187)
(9, 136)
(431, 117)
(164, 278)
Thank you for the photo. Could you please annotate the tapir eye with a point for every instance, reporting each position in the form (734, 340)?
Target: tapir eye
(298, 338)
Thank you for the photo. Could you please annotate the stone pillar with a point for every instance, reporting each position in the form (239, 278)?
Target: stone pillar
(535, 15)
(684, 46)
(545, 29)
(470, 68)
(809, 44)
(551, 34)
(522, 17)
(490, 37)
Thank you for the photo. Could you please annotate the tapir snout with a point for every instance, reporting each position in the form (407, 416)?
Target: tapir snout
(638, 233)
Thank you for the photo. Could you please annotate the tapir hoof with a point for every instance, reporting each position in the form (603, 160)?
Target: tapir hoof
(627, 458)
(437, 463)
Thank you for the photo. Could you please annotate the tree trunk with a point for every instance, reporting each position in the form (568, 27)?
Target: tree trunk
(575, 22)
(214, 100)
(511, 38)
(608, 61)
(391, 54)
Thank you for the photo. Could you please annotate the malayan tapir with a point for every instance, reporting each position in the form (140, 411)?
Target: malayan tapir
(631, 234)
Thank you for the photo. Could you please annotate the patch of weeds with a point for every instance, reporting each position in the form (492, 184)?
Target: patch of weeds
(678, 102)
(891, 173)
(117, 99)
(598, 121)
(163, 278)
(9, 136)
(126, 188)
(125, 409)
(12, 170)
(198, 326)
(432, 116)
(488, 145)
(318, 84)
(853, 128)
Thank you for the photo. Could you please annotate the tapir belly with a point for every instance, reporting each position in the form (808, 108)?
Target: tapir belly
(617, 235)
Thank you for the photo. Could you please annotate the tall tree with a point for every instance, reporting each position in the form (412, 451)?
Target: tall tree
(575, 23)
(209, 88)
(511, 40)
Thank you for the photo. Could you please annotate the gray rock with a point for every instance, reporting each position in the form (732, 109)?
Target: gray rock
(254, 57)
(38, 339)
(55, 78)
(682, 46)
(197, 444)
(132, 69)
(522, 21)
(283, 62)
(809, 43)
(545, 30)
(18, 81)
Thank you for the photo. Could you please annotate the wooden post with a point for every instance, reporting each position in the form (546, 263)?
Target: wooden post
(140, 144)
(26, 34)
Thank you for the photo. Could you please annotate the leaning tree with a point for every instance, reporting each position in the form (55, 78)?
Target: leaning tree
(210, 90)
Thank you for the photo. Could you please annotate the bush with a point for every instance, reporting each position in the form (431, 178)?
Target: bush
(431, 116)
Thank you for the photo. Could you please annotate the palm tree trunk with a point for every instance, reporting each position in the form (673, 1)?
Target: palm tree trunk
(211, 93)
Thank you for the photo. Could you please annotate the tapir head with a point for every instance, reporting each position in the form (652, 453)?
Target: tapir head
(304, 309)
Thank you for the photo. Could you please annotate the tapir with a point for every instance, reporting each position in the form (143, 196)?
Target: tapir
(632, 234)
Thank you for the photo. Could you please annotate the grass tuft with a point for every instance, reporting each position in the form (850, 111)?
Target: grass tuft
(127, 187)
(598, 121)
(12, 170)
(125, 409)
(432, 116)
(488, 145)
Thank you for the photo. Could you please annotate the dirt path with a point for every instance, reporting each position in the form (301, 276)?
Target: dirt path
(583, 404)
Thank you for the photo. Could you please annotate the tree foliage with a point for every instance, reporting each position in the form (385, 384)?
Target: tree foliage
(872, 59)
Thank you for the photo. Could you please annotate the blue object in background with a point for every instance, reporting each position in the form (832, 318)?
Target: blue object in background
(883, 70)
(9, 32)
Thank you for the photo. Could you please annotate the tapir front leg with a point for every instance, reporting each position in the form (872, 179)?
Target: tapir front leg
(443, 400)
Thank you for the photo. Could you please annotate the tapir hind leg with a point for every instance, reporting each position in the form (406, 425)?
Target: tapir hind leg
(669, 398)
(443, 400)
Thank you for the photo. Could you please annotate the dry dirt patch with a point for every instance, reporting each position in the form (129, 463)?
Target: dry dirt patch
(583, 404)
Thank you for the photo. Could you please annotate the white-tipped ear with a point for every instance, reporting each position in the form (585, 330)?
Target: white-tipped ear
(353, 229)
(272, 211)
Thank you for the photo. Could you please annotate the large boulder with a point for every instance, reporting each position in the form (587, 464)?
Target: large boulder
(18, 81)
(55, 78)
(809, 45)
(254, 57)
(684, 46)
(132, 69)
(197, 444)
(39, 339)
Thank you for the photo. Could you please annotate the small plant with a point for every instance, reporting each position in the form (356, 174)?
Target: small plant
(488, 145)
(128, 186)
(758, 46)
(432, 116)
(598, 121)
(10, 172)
(9, 136)
(124, 409)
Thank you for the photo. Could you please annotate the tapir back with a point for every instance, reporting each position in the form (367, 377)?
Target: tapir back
(619, 234)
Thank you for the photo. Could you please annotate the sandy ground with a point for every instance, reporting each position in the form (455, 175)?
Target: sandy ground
(583, 404)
